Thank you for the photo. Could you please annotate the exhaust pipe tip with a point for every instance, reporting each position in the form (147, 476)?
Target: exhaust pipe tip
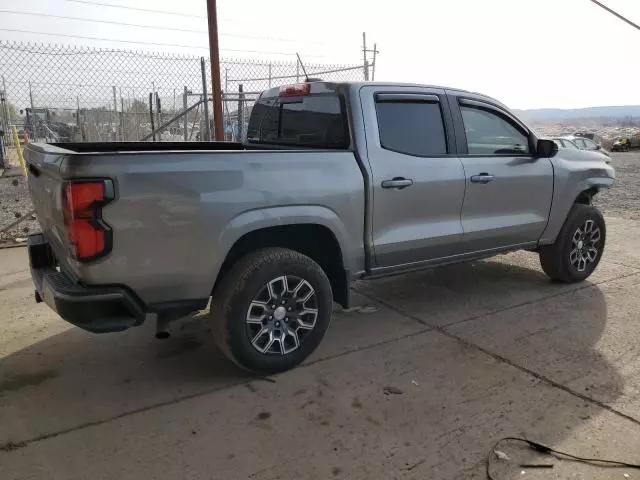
(162, 335)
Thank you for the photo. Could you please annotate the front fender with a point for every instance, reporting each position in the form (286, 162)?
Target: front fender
(570, 179)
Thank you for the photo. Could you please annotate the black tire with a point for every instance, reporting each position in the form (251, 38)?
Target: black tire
(242, 284)
(556, 259)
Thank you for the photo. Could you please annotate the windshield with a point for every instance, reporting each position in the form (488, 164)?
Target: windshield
(308, 121)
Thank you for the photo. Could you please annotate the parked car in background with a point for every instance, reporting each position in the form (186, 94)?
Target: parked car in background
(335, 182)
(584, 143)
(564, 143)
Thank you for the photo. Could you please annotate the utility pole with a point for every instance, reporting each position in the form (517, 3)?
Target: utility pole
(365, 50)
(364, 56)
(613, 12)
(373, 69)
(214, 52)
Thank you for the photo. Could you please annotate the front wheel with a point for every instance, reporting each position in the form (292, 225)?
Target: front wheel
(578, 248)
(271, 310)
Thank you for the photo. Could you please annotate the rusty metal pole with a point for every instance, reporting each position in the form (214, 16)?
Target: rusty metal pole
(214, 52)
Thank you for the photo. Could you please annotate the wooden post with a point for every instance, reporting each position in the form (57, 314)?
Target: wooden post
(214, 53)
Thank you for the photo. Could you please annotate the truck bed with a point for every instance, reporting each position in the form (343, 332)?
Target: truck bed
(179, 207)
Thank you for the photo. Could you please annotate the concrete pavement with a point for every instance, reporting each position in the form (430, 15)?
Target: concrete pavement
(452, 360)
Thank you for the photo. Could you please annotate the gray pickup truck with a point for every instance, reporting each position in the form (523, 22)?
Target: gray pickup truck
(335, 182)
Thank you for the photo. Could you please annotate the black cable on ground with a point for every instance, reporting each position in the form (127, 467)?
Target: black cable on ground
(541, 448)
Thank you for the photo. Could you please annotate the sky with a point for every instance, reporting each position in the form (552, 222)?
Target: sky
(526, 53)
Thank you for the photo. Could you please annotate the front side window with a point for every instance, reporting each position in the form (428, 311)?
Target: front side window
(411, 127)
(491, 134)
(591, 145)
(580, 143)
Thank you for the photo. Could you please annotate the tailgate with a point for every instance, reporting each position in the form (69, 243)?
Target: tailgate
(45, 187)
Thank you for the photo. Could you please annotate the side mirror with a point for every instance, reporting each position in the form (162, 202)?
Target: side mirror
(598, 147)
(546, 148)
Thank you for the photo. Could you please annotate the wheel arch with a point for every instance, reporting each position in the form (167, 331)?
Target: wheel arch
(311, 230)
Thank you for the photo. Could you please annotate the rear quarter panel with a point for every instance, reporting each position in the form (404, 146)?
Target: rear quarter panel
(176, 215)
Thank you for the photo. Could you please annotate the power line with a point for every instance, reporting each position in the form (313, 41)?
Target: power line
(148, 43)
(101, 21)
(137, 8)
(138, 25)
(613, 12)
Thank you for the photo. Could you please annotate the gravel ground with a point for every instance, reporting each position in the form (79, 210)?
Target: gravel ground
(623, 199)
(15, 209)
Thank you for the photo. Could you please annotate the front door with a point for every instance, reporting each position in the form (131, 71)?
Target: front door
(508, 189)
(417, 180)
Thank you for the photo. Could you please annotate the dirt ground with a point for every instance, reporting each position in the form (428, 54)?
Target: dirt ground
(623, 199)
(419, 386)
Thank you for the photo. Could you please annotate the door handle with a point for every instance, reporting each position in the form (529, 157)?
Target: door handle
(482, 178)
(397, 182)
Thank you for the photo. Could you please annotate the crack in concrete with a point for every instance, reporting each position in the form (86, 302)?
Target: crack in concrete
(528, 302)
(504, 360)
(620, 265)
(429, 328)
(13, 445)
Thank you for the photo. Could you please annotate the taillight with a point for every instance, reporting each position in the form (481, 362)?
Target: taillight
(295, 90)
(89, 237)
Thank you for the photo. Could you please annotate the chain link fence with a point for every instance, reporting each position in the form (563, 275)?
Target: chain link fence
(82, 94)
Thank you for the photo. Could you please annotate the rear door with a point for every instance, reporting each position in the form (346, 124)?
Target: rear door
(417, 180)
(508, 189)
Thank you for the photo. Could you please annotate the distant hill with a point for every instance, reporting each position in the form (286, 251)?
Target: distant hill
(558, 114)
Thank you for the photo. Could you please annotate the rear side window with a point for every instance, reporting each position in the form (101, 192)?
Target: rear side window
(411, 127)
(305, 121)
(491, 134)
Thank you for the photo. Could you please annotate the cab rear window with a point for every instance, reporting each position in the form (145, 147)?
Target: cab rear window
(317, 121)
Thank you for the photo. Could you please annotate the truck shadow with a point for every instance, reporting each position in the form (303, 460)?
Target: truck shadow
(74, 378)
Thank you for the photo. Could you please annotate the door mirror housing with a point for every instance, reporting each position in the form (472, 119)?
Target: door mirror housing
(546, 148)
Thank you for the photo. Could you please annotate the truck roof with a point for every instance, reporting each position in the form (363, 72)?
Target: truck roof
(322, 86)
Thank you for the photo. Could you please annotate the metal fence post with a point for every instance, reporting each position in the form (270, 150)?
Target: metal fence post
(31, 96)
(207, 131)
(5, 108)
(158, 113)
(115, 111)
(240, 113)
(122, 119)
(185, 125)
(269, 75)
(153, 128)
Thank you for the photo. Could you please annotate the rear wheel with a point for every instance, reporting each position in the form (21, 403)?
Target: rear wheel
(578, 248)
(271, 310)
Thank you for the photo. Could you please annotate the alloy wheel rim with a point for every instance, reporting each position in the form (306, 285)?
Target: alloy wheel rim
(585, 245)
(281, 315)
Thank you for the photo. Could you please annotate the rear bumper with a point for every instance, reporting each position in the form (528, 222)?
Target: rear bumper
(96, 309)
